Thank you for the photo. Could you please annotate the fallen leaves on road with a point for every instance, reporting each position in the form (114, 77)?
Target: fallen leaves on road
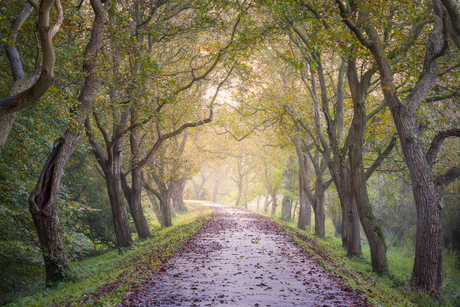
(226, 264)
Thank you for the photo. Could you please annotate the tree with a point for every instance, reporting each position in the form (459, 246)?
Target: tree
(27, 90)
(348, 175)
(168, 172)
(43, 203)
(111, 168)
(288, 176)
(427, 188)
(304, 221)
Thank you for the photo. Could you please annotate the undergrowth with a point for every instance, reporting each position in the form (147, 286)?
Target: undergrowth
(103, 280)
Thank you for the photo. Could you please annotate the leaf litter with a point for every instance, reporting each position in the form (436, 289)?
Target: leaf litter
(240, 258)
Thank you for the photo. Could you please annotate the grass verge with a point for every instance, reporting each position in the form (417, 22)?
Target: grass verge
(380, 290)
(103, 280)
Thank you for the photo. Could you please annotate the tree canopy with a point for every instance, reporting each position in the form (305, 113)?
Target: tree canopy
(347, 110)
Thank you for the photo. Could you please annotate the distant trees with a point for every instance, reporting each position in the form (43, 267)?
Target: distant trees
(312, 92)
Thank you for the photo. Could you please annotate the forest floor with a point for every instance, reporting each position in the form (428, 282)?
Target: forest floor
(241, 258)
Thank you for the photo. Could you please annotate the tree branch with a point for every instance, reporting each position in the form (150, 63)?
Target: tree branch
(436, 143)
(31, 95)
(445, 179)
(381, 157)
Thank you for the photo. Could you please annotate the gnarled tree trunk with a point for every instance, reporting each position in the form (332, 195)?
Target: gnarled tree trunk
(111, 166)
(369, 222)
(428, 261)
(43, 200)
(134, 194)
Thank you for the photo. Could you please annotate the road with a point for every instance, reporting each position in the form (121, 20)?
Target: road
(240, 258)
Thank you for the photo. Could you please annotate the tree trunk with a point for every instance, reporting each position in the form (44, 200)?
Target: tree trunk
(134, 197)
(304, 221)
(351, 237)
(119, 213)
(217, 180)
(238, 196)
(43, 207)
(320, 215)
(43, 203)
(371, 226)
(316, 200)
(245, 197)
(198, 189)
(266, 201)
(28, 90)
(286, 201)
(274, 204)
(177, 194)
(428, 260)
(165, 208)
(135, 204)
(154, 199)
(7, 121)
(320, 189)
(111, 166)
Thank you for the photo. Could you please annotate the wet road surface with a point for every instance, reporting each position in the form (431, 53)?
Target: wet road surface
(240, 258)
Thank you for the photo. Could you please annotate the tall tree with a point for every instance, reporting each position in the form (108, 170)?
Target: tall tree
(112, 170)
(43, 203)
(427, 187)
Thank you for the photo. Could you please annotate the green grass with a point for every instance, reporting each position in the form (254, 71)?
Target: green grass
(103, 280)
(379, 290)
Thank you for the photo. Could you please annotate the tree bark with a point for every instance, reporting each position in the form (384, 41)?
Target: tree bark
(135, 204)
(428, 261)
(154, 199)
(266, 201)
(238, 196)
(273, 194)
(111, 166)
(286, 201)
(316, 200)
(351, 237)
(43, 206)
(21, 82)
(336, 158)
(165, 208)
(163, 195)
(177, 194)
(43, 200)
(369, 222)
(135, 195)
(119, 213)
(304, 221)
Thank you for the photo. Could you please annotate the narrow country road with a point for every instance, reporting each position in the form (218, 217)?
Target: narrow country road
(240, 258)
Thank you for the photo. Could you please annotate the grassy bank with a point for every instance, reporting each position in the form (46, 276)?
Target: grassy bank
(380, 290)
(102, 280)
